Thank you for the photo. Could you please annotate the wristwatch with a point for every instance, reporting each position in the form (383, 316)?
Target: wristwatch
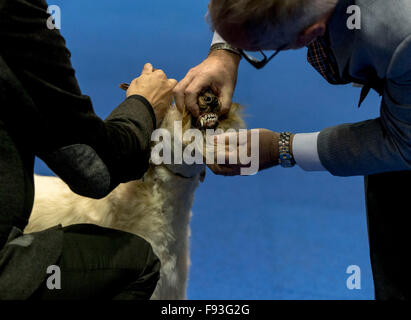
(224, 46)
(286, 158)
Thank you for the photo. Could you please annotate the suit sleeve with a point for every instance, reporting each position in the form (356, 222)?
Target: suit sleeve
(378, 145)
(46, 111)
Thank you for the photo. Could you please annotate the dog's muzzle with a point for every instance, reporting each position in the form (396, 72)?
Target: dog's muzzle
(209, 108)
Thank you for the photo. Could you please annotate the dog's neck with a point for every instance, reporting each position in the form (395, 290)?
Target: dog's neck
(186, 171)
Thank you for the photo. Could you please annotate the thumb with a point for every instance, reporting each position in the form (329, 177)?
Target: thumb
(148, 68)
(172, 83)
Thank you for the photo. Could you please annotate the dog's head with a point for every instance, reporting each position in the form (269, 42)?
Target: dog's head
(209, 118)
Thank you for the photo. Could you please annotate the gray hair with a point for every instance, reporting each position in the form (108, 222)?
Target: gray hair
(268, 22)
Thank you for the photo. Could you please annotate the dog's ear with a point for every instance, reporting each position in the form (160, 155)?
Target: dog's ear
(236, 107)
(234, 119)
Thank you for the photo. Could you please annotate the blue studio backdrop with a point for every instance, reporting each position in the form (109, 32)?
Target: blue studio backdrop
(281, 234)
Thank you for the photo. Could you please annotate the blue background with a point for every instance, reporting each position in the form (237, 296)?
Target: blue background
(282, 234)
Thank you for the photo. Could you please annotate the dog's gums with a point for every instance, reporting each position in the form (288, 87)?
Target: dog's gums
(209, 107)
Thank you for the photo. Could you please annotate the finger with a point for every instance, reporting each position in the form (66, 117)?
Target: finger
(179, 90)
(230, 170)
(191, 97)
(226, 100)
(160, 73)
(172, 83)
(148, 68)
(223, 170)
(225, 138)
(215, 168)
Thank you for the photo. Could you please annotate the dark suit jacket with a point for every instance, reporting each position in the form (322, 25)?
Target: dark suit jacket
(378, 53)
(43, 113)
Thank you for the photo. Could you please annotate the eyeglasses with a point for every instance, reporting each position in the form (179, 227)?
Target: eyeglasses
(260, 63)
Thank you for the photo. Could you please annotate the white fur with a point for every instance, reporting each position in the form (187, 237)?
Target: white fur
(157, 208)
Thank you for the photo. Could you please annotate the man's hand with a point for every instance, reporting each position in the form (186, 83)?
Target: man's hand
(218, 72)
(268, 152)
(156, 88)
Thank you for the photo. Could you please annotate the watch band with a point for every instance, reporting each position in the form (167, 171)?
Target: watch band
(224, 46)
(286, 158)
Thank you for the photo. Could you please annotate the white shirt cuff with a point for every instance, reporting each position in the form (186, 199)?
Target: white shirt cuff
(217, 39)
(305, 152)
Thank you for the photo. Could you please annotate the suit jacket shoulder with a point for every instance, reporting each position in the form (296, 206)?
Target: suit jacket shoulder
(384, 26)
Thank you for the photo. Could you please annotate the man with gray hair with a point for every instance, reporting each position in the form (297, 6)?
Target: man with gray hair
(377, 55)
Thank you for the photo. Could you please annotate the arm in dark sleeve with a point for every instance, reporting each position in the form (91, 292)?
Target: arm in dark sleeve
(378, 145)
(45, 109)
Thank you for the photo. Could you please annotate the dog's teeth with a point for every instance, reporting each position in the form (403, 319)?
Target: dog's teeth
(207, 118)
